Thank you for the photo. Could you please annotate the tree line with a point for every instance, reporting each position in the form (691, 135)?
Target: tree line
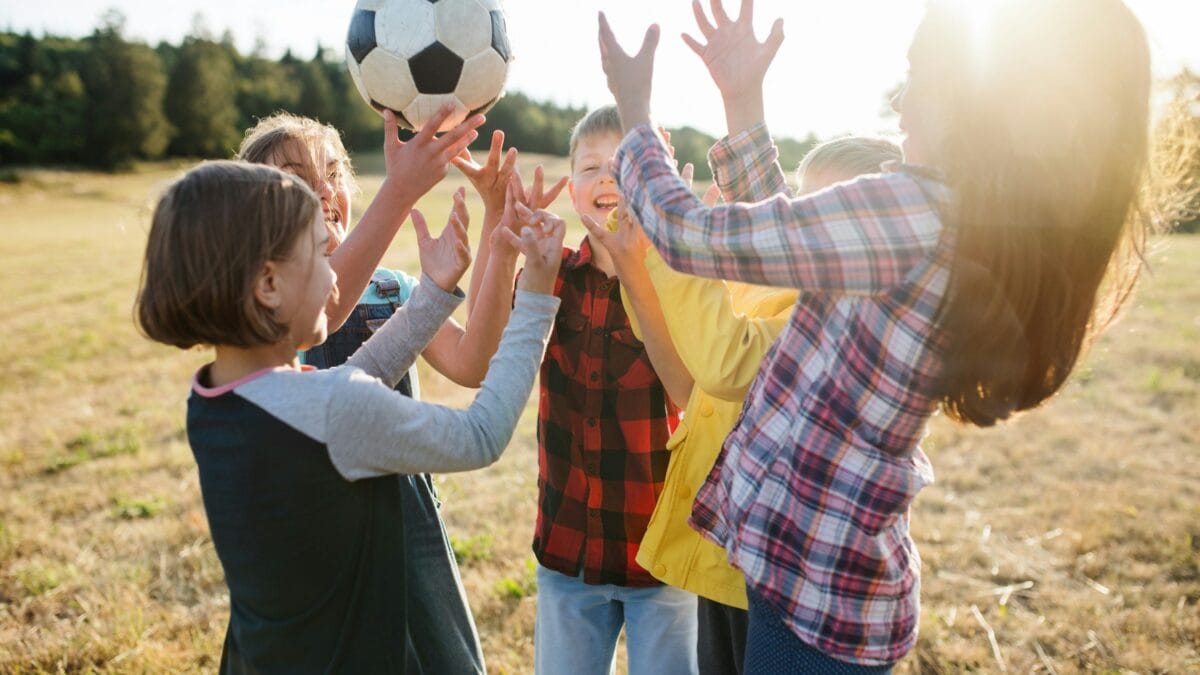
(105, 101)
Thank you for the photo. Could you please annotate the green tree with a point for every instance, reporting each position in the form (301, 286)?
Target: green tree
(318, 98)
(263, 87)
(201, 100)
(125, 84)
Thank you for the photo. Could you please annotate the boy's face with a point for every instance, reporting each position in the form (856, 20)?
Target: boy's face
(593, 188)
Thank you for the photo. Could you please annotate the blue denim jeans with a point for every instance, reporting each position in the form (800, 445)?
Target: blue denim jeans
(578, 624)
(442, 637)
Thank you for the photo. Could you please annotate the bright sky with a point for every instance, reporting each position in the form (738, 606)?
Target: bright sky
(838, 59)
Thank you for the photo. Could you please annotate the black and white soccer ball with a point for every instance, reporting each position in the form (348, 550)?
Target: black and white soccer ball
(414, 56)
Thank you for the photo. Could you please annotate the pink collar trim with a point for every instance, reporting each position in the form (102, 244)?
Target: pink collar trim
(214, 392)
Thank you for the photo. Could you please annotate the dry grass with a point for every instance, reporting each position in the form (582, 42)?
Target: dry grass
(1073, 534)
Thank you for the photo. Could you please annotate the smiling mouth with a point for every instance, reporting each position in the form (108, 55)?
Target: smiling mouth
(606, 202)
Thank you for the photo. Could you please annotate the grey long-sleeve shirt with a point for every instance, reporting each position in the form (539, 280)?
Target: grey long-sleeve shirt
(370, 430)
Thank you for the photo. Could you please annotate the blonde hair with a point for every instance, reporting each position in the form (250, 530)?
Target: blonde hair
(844, 158)
(212, 232)
(268, 141)
(1045, 149)
(601, 121)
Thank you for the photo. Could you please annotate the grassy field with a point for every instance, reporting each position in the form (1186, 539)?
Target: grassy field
(1066, 541)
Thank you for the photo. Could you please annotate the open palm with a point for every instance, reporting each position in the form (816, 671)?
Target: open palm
(445, 259)
(735, 58)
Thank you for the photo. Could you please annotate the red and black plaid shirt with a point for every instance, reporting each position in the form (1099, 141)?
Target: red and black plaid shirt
(603, 424)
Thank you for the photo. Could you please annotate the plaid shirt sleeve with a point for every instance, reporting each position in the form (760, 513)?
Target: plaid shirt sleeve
(861, 237)
(746, 166)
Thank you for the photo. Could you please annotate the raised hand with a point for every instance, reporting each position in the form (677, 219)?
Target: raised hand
(492, 177)
(536, 196)
(540, 241)
(735, 58)
(623, 239)
(446, 258)
(422, 162)
(629, 77)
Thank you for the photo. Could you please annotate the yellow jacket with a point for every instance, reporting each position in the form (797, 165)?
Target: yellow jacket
(722, 331)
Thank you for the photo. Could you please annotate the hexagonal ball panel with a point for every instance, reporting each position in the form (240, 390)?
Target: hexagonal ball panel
(356, 75)
(405, 27)
(500, 35)
(388, 80)
(426, 105)
(360, 39)
(464, 26)
(436, 69)
(482, 79)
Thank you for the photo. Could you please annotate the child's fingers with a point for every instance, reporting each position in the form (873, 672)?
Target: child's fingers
(510, 237)
(554, 192)
(534, 196)
(450, 151)
(712, 195)
(453, 138)
(468, 167)
(689, 171)
(706, 28)
(718, 12)
(497, 147)
(746, 13)
(458, 228)
(429, 131)
(693, 44)
(419, 225)
(391, 129)
(775, 39)
(650, 41)
(595, 229)
(510, 163)
(608, 42)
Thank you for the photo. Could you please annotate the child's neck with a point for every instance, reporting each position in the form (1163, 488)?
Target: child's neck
(234, 363)
(601, 259)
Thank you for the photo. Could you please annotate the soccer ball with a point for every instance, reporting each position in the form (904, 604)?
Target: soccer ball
(414, 56)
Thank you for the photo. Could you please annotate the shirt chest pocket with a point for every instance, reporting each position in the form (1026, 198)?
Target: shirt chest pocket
(568, 342)
(595, 355)
(628, 363)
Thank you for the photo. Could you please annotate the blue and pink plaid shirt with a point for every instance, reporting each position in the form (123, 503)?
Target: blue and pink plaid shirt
(810, 495)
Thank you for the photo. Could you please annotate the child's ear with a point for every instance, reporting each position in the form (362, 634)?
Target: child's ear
(266, 287)
(571, 188)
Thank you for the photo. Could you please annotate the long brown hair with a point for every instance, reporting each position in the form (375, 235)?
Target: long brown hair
(1045, 149)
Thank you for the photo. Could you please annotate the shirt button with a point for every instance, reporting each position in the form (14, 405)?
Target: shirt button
(659, 569)
(591, 468)
(597, 331)
(706, 410)
(684, 492)
(593, 513)
(595, 377)
(591, 422)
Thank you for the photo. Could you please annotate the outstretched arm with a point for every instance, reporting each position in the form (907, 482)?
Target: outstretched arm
(628, 247)
(412, 169)
(463, 354)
